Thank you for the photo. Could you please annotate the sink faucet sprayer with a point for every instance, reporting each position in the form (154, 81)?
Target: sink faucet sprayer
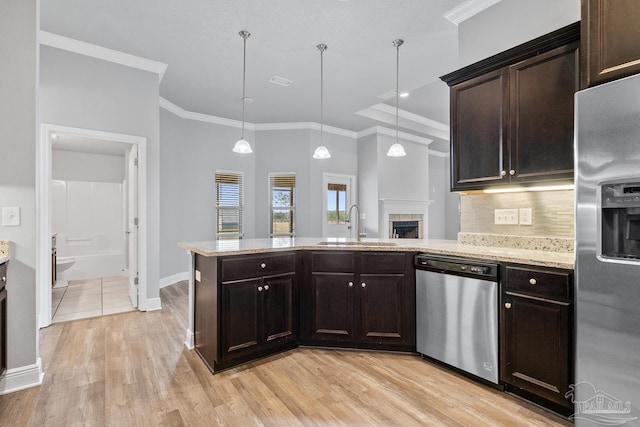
(355, 205)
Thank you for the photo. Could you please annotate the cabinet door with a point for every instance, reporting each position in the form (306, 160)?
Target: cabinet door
(610, 34)
(536, 346)
(279, 324)
(241, 317)
(478, 129)
(332, 306)
(382, 307)
(541, 103)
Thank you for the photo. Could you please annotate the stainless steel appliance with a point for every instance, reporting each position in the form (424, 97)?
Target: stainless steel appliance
(607, 389)
(457, 313)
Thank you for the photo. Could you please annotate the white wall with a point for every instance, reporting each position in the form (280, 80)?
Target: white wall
(368, 183)
(437, 191)
(76, 166)
(510, 23)
(84, 92)
(19, 59)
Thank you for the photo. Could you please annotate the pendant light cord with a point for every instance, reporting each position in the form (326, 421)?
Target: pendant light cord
(321, 95)
(397, 43)
(244, 74)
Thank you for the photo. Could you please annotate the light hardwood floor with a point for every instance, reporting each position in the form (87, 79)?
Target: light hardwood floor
(132, 369)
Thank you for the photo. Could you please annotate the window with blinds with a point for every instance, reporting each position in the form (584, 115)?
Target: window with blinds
(283, 204)
(229, 205)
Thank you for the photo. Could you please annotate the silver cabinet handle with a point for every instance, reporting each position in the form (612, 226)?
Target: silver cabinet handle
(503, 173)
(350, 284)
(259, 288)
(263, 265)
(266, 287)
(4, 278)
(512, 172)
(364, 285)
(532, 281)
(507, 305)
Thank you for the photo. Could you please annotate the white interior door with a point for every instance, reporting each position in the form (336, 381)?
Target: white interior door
(132, 223)
(338, 196)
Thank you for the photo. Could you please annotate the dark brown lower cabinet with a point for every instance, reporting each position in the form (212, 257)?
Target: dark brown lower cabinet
(537, 335)
(244, 318)
(3, 318)
(371, 305)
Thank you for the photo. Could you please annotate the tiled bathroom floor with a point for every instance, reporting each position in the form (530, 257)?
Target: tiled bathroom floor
(91, 298)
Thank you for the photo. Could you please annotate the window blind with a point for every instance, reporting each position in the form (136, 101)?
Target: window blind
(229, 204)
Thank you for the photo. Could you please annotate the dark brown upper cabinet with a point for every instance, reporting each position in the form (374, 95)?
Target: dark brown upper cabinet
(610, 34)
(512, 114)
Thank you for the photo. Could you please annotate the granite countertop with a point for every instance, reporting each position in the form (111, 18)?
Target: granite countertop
(4, 251)
(445, 247)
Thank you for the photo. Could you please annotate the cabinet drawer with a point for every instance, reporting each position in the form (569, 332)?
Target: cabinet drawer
(333, 261)
(248, 266)
(383, 262)
(539, 282)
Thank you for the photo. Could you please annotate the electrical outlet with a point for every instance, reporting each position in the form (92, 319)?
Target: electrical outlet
(505, 216)
(526, 216)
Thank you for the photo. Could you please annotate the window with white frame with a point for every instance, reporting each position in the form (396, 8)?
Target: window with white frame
(229, 205)
(283, 204)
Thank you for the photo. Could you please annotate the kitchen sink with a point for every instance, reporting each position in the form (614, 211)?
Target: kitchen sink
(355, 243)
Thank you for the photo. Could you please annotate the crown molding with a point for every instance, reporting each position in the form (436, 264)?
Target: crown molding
(380, 130)
(437, 153)
(390, 109)
(386, 113)
(83, 48)
(468, 9)
(180, 112)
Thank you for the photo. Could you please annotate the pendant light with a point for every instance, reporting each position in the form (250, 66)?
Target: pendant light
(243, 146)
(321, 152)
(397, 150)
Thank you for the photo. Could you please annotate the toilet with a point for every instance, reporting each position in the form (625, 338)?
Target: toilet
(62, 265)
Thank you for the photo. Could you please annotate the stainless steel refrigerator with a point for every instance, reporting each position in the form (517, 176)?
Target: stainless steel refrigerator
(607, 385)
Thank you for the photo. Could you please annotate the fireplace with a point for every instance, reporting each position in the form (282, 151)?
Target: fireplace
(404, 219)
(405, 229)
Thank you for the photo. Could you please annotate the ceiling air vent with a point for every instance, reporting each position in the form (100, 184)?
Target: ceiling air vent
(280, 81)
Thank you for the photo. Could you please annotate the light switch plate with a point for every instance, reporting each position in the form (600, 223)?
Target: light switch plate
(526, 216)
(505, 216)
(10, 216)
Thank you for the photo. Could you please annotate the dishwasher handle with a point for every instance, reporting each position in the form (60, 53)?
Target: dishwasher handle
(458, 267)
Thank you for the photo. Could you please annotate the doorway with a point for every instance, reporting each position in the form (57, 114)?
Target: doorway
(93, 207)
(338, 195)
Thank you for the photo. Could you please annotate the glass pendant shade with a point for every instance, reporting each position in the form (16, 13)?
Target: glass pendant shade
(396, 150)
(242, 147)
(321, 153)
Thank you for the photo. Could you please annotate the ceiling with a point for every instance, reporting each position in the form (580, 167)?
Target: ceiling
(199, 41)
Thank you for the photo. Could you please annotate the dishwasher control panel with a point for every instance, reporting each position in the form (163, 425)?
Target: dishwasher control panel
(457, 266)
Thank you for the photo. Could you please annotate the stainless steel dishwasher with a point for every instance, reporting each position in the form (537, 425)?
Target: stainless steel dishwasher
(457, 313)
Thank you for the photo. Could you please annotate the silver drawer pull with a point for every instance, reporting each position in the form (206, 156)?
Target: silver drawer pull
(4, 278)
(507, 305)
(263, 265)
(364, 285)
(266, 287)
(350, 284)
(512, 172)
(532, 281)
(259, 288)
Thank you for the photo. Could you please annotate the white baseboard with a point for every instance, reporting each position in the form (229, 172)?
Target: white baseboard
(170, 280)
(189, 343)
(151, 304)
(16, 379)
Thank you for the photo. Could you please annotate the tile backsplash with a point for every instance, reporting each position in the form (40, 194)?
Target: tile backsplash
(552, 213)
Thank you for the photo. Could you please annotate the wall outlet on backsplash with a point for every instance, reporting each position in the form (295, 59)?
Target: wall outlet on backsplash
(505, 216)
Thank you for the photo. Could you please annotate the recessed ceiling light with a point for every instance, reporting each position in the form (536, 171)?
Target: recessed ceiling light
(55, 136)
(391, 94)
(280, 81)
(404, 94)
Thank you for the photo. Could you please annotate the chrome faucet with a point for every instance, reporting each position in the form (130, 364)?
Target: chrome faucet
(355, 205)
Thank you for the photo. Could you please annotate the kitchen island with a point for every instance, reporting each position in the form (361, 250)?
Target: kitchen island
(254, 297)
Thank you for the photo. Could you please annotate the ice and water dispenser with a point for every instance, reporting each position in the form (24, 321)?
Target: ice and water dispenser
(620, 204)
